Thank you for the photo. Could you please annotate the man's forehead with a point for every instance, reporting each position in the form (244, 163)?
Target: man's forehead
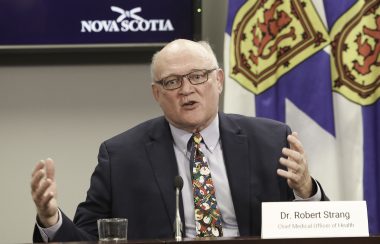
(180, 57)
(183, 61)
(173, 68)
(178, 49)
(182, 44)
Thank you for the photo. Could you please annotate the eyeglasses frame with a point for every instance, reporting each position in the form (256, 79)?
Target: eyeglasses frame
(181, 77)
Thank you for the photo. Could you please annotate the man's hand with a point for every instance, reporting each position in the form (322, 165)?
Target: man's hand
(297, 175)
(44, 192)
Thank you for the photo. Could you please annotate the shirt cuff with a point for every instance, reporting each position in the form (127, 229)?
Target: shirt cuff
(49, 233)
(316, 197)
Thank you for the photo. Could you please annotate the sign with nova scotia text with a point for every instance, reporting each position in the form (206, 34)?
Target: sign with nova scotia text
(314, 219)
(84, 22)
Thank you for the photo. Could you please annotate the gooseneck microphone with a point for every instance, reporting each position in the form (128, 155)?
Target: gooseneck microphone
(178, 183)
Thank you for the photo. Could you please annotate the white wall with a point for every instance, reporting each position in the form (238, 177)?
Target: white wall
(65, 112)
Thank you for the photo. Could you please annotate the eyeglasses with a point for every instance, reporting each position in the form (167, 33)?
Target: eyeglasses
(195, 77)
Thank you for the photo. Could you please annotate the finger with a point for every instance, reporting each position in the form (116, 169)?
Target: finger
(44, 203)
(50, 171)
(296, 156)
(39, 165)
(46, 199)
(36, 179)
(289, 175)
(290, 165)
(295, 143)
(42, 190)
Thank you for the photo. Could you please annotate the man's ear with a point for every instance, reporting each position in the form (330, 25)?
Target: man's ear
(155, 91)
(220, 79)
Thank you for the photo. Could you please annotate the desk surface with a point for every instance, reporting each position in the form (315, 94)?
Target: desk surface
(258, 240)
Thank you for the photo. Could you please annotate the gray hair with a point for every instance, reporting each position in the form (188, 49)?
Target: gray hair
(205, 44)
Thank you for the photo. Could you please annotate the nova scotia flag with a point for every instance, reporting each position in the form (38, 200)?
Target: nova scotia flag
(314, 65)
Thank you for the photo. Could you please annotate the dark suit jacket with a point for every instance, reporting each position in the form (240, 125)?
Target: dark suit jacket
(135, 178)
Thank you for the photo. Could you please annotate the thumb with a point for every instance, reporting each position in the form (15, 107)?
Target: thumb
(49, 166)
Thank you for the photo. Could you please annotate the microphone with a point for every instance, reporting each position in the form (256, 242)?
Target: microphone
(178, 183)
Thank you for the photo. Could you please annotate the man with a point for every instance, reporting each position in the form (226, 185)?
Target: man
(251, 160)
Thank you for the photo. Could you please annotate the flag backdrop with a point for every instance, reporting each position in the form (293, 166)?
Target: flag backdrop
(314, 65)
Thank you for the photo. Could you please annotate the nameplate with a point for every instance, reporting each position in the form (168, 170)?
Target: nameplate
(314, 219)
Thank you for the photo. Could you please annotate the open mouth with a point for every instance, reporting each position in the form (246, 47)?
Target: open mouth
(189, 103)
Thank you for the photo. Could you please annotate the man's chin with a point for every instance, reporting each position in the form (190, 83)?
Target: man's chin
(190, 125)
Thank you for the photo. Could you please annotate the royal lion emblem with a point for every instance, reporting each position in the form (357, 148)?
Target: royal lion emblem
(355, 63)
(270, 37)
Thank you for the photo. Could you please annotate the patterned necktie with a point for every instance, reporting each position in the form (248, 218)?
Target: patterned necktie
(208, 219)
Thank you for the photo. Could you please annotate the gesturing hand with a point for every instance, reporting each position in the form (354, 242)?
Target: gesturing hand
(44, 192)
(297, 175)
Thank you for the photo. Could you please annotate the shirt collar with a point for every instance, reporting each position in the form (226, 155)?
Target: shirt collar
(210, 136)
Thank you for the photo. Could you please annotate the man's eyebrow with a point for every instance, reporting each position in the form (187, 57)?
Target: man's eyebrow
(192, 70)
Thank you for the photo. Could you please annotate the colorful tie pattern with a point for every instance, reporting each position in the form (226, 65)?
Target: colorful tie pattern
(208, 219)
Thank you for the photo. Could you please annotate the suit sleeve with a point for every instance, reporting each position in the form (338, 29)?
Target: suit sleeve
(96, 206)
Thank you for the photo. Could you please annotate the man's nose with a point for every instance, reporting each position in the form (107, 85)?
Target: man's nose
(186, 87)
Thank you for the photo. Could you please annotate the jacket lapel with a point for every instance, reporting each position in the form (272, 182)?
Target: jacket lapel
(161, 155)
(235, 152)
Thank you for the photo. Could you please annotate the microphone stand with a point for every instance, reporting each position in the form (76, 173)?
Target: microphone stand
(178, 182)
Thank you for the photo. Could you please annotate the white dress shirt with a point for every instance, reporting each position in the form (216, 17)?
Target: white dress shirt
(212, 150)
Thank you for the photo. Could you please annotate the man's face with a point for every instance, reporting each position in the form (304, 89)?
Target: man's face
(190, 107)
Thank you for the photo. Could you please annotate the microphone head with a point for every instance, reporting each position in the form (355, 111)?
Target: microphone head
(178, 182)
